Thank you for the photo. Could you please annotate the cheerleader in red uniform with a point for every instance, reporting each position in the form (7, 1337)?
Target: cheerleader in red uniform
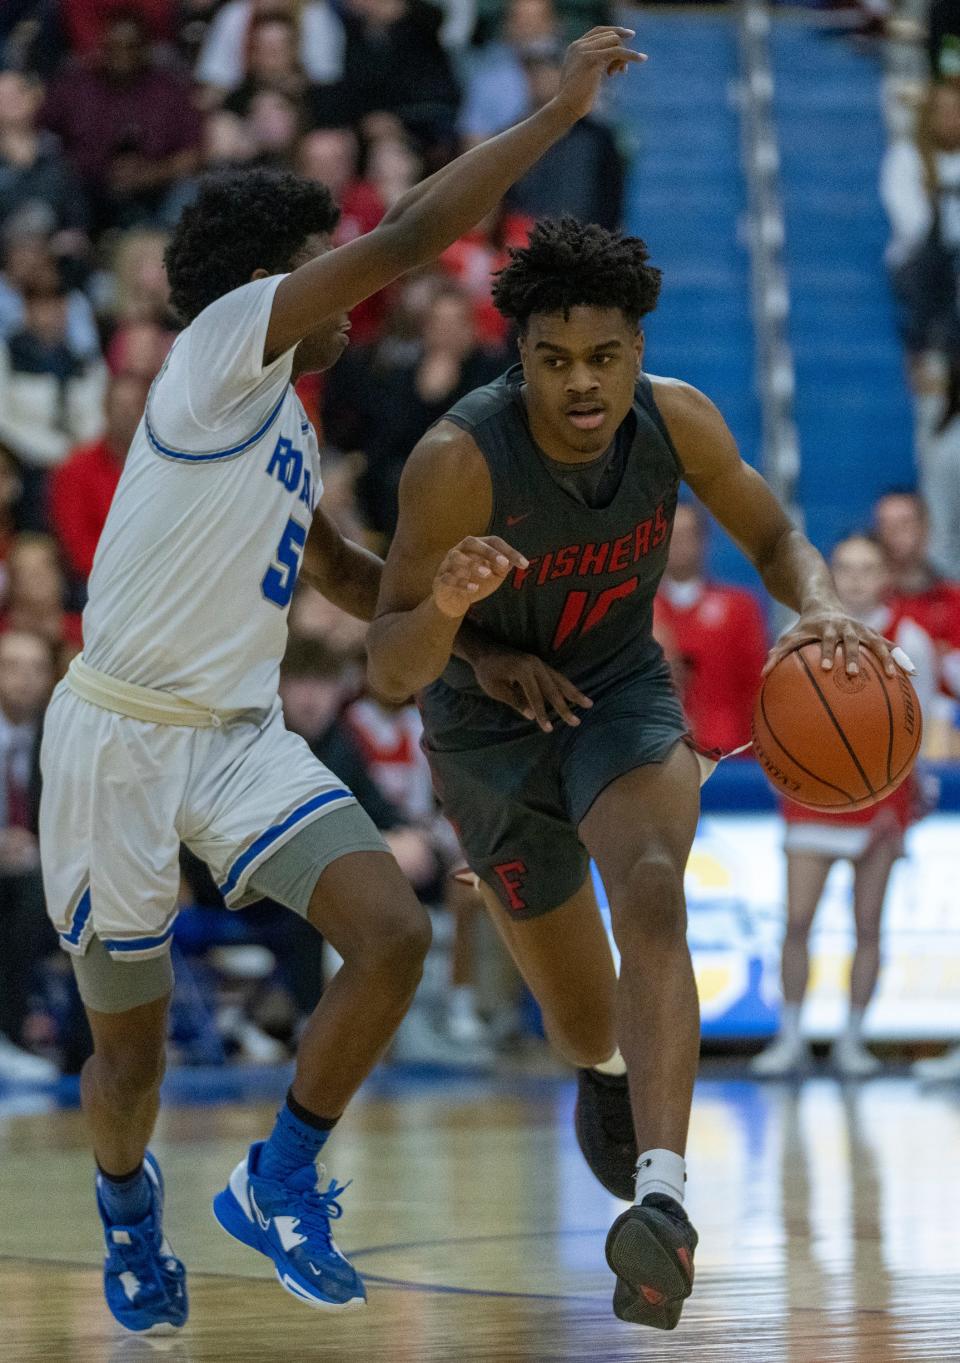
(871, 839)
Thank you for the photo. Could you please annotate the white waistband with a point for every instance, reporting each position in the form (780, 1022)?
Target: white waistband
(138, 702)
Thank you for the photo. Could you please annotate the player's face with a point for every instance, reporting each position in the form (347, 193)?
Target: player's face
(320, 349)
(581, 372)
(860, 575)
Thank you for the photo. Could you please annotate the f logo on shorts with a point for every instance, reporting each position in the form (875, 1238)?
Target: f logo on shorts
(512, 874)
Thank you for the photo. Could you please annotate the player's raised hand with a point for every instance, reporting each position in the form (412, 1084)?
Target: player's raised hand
(599, 53)
(471, 571)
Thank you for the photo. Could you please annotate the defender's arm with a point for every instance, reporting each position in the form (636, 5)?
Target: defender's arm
(792, 570)
(425, 221)
(345, 573)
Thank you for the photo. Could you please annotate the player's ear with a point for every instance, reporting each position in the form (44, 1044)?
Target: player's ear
(522, 347)
(639, 344)
(259, 274)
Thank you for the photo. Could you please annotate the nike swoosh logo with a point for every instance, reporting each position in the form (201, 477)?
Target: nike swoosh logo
(515, 520)
(263, 1221)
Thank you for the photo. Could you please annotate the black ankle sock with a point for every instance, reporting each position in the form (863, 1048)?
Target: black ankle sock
(309, 1118)
(121, 1178)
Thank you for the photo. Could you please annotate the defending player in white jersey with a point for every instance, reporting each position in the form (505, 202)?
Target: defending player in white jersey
(168, 728)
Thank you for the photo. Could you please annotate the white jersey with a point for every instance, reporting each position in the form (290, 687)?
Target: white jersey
(199, 556)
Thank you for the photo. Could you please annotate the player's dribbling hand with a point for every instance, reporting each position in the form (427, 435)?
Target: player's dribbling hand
(471, 571)
(529, 686)
(601, 52)
(832, 628)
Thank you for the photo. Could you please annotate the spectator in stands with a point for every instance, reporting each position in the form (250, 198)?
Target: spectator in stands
(29, 263)
(224, 58)
(315, 618)
(11, 490)
(128, 125)
(395, 65)
(497, 92)
(86, 21)
(476, 258)
(37, 185)
(50, 398)
(872, 839)
(718, 636)
(582, 174)
(82, 488)
(397, 403)
(917, 589)
(944, 39)
(135, 305)
(920, 187)
(273, 63)
(314, 688)
(26, 679)
(36, 596)
(939, 459)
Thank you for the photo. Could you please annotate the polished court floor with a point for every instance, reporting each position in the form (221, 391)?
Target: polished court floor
(828, 1218)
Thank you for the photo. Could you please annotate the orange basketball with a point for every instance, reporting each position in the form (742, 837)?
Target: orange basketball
(832, 741)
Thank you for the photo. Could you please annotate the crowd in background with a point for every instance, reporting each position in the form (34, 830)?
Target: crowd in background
(110, 112)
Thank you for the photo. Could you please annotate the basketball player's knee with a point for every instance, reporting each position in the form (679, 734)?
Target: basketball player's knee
(646, 900)
(127, 1075)
(582, 1036)
(399, 947)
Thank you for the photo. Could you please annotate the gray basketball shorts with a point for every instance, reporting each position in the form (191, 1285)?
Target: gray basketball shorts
(517, 796)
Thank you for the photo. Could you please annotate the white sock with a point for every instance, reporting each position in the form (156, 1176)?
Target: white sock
(790, 1022)
(661, 1171)
(854, 1029)
(615, 1065)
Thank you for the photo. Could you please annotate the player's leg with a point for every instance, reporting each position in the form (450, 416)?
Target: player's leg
(126, 1004)
(639, 830)
(565, 959)
(324, 859)
(366, 910)
(110, 794)
(871, 876)
(807, 873)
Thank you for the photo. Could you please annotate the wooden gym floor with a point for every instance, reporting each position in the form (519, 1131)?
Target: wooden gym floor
(828, 1219)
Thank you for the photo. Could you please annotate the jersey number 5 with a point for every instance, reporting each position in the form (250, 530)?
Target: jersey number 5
(281, 577)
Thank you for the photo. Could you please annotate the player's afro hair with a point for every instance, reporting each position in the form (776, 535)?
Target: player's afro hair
(242, 221)
(568, 264)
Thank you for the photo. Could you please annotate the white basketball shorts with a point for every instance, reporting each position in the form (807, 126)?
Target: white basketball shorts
(121, 794)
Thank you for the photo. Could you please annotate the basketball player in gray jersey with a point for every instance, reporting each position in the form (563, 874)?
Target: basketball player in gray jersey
(539, 512)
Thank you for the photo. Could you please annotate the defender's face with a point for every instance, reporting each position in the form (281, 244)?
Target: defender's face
(581, 372)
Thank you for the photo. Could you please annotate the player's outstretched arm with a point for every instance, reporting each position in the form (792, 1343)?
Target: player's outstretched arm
(440, 563)
(436, 212)
(742, 501)
(345, 573)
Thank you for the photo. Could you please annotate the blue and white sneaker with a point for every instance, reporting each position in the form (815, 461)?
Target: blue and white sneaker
(289, 1222)
(144, 1282)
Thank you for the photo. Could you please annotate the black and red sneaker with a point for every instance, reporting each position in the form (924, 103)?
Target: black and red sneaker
(650, 1249)
(604, 1126)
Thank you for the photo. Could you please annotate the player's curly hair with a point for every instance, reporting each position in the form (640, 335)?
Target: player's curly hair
(567, 264)
(242, 221)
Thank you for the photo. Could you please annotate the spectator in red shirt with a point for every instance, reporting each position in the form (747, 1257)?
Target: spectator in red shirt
(716, 637)
(476, 258)
(128, 126)
(85, 20)
(918, 591)
(82, 488)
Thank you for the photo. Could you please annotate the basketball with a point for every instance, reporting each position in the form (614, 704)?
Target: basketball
(832, 741)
